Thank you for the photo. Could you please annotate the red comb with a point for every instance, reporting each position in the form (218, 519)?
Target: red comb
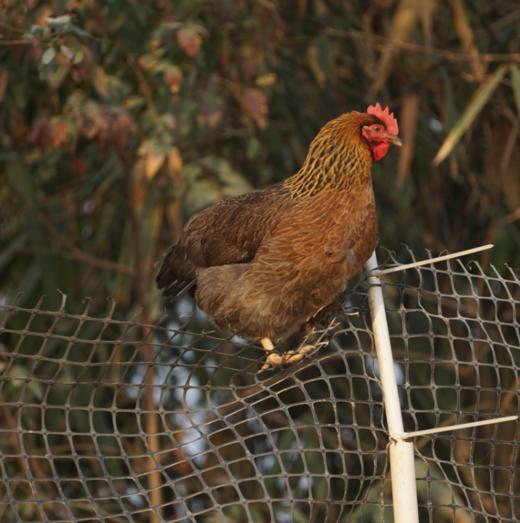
(385, 116)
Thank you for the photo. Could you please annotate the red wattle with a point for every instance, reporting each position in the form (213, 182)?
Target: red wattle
(379, 150)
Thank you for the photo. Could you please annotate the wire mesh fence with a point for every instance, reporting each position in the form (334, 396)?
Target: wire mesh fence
(116, 421)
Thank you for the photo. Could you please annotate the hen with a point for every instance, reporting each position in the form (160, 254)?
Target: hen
(265, 263)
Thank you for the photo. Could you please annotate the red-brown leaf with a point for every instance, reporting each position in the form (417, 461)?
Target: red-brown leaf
(255, 105)
(3, 82)
(173, 78)
(189, 38)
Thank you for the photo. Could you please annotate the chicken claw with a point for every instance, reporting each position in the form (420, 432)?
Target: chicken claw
(275, 360)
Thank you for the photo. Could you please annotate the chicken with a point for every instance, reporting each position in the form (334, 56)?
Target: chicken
(264, 264)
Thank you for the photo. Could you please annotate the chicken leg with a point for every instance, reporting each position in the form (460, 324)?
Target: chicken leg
(274, 360)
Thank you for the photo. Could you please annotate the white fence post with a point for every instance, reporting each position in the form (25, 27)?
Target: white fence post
(401, 453)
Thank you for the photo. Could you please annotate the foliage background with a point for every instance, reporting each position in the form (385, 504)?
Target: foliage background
(120, 119)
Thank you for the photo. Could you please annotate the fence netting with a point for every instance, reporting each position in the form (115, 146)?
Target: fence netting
(115, 421)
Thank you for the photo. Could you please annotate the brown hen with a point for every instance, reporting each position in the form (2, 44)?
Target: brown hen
(265, 263)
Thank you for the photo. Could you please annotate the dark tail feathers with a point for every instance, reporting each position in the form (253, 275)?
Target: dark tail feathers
(176, 274)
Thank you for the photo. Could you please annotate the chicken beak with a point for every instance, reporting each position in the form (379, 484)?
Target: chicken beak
(394, 140)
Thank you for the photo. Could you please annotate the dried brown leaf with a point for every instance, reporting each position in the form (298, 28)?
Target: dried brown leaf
(255, 105)
(152, 158)
(174, 161)
(58, 133)
(153, 163)
(467, 37)
(173, 78)
(250, 61)
(4, 78)
(426, 13)
(140, 177)
(515, 80)
(211, 105)
(101, 82)
(18, 126)
(39, 130)
(266, 80)
(189, 38)
(405, 20)
(407, 124)
(122, 126)
(208, 116)
(502, 162)
(315, 66)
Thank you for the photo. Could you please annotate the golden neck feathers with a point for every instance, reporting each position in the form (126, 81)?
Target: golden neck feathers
(338, 157)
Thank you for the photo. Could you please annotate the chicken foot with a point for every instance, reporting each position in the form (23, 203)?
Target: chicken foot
(274, 360)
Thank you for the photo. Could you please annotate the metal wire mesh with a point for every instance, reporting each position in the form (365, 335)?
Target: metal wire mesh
(109, 420)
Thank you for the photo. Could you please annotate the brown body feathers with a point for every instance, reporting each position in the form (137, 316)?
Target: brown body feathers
(265, 263)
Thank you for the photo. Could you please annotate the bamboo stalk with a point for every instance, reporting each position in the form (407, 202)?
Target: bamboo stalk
(430, 261)
(401, 452)
(151, 421)
(436, 430)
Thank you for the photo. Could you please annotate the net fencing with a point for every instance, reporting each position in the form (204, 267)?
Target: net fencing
(117, 421)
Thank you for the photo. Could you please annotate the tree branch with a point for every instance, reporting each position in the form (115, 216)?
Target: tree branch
(76, 253)
(151, 420)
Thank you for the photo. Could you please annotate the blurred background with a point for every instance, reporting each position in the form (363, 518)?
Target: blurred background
(120, 119)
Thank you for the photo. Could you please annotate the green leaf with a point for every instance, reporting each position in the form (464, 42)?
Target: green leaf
(77, 31)
(37, 31)
(59, 23)
(472, 110)
(48, 56)
(515, 80)
(12, 248)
